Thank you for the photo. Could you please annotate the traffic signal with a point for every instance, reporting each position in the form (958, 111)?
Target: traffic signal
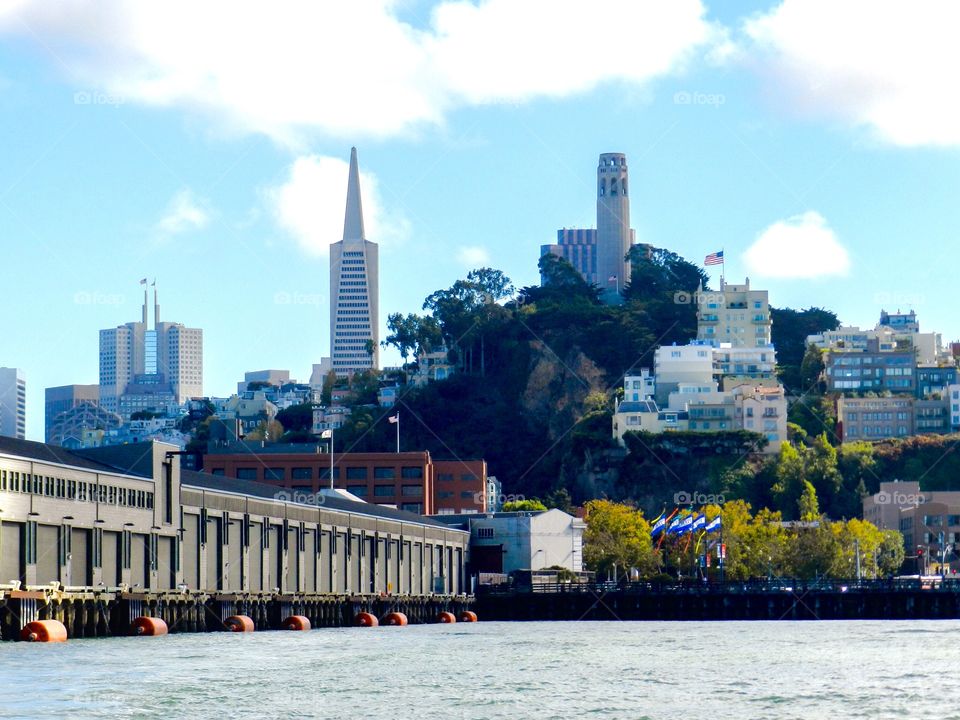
(919, 551)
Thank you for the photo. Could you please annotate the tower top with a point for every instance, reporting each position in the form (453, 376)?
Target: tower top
(613, 160)
(353, 220)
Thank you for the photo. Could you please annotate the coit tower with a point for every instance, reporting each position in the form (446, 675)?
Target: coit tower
(614, 236)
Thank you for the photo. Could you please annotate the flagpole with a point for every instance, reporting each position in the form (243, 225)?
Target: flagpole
(398, 432)
(331, 458)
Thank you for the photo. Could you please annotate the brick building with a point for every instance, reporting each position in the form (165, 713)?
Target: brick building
(411, 481)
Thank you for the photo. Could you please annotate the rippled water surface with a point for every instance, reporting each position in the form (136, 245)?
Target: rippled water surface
(500, 670)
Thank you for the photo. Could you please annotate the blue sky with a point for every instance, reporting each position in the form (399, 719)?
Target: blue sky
(207, 149)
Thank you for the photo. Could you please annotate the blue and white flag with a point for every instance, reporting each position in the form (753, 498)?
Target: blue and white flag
(684, 526)
(698, 522)
(673, 526)
(714, 525)
(658, 526)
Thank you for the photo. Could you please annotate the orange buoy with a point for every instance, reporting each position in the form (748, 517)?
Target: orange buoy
(44, 631)
(468, 616)
(446, 617)
(365, 619)
(394, 618)
(239, 623)
(296, 622)
(149, 626)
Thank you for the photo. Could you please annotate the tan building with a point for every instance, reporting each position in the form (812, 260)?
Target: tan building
(735, 314)
(880, 418)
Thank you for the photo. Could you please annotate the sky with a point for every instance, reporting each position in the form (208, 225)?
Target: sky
(206, 146)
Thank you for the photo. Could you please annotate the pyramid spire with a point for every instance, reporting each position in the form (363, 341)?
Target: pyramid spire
(353, 221)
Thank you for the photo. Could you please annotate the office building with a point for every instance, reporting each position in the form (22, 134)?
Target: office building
(354, 289)
(13, 403)
(411, 481)
(66, 397)
(155, 366)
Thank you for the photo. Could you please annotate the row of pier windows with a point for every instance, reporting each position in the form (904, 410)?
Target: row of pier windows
(76, 490)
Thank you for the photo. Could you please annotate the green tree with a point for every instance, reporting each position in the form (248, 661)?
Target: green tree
(559, 499)
(807, 505)
(296, 417)
(617, 535)
(891, 552)
(528, 505)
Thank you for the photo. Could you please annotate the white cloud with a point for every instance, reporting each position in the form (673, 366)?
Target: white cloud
(887, 66)
(311, 202)
(802, 246)
(473, 256)
(290, 69)
(184, 212)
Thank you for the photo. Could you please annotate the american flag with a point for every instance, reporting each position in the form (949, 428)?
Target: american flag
(714, 258)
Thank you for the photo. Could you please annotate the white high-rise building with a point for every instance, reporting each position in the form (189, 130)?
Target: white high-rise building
(143, 367)
(13, 403)
(354, 289)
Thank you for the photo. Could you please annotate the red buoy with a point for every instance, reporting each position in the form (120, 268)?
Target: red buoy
(44, 631)
(468, 616)
(394, 618)
(239, 623)
(365, 619)
(149, 626)
(446, 617)
(296, 622)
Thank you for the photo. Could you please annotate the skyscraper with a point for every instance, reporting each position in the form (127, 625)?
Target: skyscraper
(13, 403)
(143, 368)
(354, 288)
(600, 255)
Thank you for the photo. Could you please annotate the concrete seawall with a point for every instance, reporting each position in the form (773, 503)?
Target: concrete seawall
(845, 600)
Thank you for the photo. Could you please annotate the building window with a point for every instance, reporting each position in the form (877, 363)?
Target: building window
(384, 473)
(356, 473)
(358, 490)
(412, 507)
(485, 533)
(246, 473)
(412, 490)
(274, 474)
(415, 473)
(301, 473)
(384, 491)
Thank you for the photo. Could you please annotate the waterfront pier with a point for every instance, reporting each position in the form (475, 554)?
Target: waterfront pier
(760, 600)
